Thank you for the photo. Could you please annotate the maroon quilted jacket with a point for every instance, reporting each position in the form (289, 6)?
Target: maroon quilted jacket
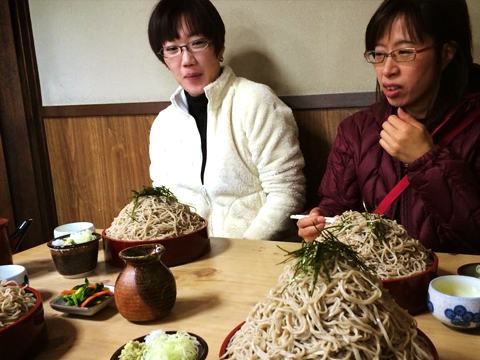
(441, 207)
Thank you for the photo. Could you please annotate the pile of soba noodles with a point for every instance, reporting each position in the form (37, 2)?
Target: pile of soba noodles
(384, 244)
(14, 302)
(154, 213)
(337, 311)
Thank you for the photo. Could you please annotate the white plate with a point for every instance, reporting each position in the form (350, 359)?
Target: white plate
(59, 304)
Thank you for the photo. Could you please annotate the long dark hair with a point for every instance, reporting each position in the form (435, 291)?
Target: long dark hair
(200, 17)
(442, 20)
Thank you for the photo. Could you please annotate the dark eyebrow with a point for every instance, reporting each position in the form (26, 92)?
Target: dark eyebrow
(401, 43)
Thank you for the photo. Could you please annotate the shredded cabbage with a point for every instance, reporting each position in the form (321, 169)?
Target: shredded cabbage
(81, 237)
(75, 238)
(162, 346)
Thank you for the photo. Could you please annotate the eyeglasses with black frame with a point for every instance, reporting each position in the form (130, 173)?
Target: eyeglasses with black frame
(194, 46)
(399, 55)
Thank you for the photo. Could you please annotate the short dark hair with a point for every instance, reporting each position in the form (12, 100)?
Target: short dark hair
(200, 17)
(442, 20)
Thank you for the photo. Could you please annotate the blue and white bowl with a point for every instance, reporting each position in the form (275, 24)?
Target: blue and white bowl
(455, 300)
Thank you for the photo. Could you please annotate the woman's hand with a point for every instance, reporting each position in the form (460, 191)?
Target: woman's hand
(309, 227)
(404, 138)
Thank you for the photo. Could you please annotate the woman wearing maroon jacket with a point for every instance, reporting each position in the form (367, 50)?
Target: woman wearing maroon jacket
(422, 134)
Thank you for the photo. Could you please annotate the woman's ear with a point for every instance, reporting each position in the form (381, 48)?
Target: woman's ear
(220, 53)
(448, 52)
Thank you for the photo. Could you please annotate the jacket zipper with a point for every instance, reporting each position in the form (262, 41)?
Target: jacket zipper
(404, 202)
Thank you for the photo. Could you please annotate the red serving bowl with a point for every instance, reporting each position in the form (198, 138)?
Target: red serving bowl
(410, 292)
(223, 347)
(23, 338)
(178, 250)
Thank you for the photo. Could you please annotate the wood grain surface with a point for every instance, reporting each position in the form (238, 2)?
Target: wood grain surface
(108, 156)
(214, 294)
(96, 162)
(317, 130)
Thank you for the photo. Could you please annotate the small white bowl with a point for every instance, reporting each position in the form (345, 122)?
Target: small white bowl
(455, 300)
(16, 273)
(71, 228)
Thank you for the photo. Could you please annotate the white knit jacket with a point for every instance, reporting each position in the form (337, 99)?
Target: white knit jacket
(253, 176)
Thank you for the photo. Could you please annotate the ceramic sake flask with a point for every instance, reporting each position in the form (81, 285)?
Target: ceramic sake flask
(145, 289)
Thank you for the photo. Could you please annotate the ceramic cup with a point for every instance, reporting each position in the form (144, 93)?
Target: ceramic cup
(455, 300)
(16, 273)
(71, 228)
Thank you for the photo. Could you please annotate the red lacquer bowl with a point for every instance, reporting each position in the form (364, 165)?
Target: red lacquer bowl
(23, 338)
(178, 250)
(410, 292)
(223, 347)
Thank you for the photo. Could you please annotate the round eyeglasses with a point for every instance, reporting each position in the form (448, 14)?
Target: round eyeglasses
(399, 55)
(193, 47)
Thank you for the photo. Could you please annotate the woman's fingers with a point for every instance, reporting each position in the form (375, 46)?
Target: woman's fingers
(309, 228)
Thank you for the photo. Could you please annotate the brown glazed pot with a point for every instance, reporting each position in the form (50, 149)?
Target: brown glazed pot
(75, 261)
(145, 289)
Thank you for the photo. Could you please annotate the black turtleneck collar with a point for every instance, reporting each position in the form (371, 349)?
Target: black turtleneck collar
(197, 107)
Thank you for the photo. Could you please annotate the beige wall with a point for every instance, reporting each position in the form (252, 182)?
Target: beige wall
(96, 51)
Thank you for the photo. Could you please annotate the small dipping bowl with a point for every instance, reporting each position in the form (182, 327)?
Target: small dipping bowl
(472, 269)
(67, 229)
(455, 300)
(75, 261)
(16, 273)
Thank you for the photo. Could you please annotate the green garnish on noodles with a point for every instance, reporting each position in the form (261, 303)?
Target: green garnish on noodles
(161, 192)
(312, 256)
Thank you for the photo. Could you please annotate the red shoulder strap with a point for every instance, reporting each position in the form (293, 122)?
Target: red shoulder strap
(403, 184)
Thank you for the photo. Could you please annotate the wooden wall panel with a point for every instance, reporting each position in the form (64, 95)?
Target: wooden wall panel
(96, 162)
(317, 130)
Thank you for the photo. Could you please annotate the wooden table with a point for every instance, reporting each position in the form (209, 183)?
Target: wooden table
(214, 294)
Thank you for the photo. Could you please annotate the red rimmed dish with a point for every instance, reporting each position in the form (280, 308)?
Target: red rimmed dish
(226, 341)
(27, 335)
(411, 292)
(178, 250)
(202, 351)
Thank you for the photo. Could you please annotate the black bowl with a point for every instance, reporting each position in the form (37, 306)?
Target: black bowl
(75, 261)
(202, 352)
(472, 269)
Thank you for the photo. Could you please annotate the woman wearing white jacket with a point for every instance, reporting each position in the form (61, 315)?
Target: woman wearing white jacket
(226, 146)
